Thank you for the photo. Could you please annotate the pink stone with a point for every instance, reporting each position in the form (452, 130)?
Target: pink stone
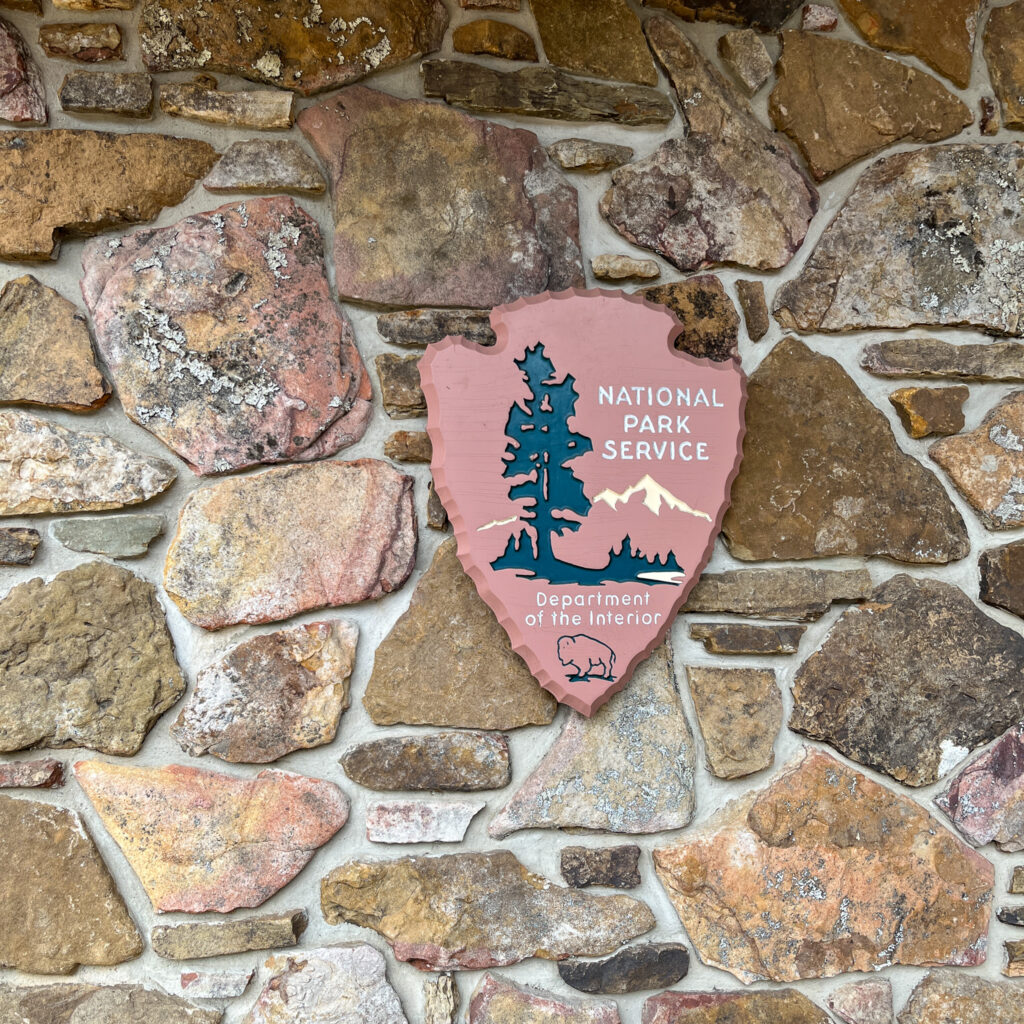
(46, 773)
(433, 207)
(498, 1001)
(204, 841)
(215, 984)
(819, 18)
(22, 97)
(986, 799)
(862, 1002)
(420, 821)
(223, 340)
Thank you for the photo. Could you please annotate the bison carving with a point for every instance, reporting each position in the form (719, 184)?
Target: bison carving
(586, 658)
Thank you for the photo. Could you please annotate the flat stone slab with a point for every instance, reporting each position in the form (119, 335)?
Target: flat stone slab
(855, 877)
(934, 219)
(98, 1004)
(87, 661)
(264, 547)
(743, 638)
(215, 984)
(613, 866)
(194, 940)
(421, 327)
(930, 358)
(88, 42)
(271, 695)
(924, 411)
(420, 821)
(71, 470)
(438, 913)
(634, 968)
(1002, 577)
(79, 182)
(761, 15)
(266, 165)
(495, 1000)
(119, 93)
(949, 995)
(201, 841)
(294, 44)
(223, 340)
(1004, 55)
(912, 681)
(519, 237)
(127, 536)
(59, 907)
(786, 1006)
(201, 100)
(494, 38)
(460, 761)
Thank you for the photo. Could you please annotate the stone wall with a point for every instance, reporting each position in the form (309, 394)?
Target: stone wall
(792, 777)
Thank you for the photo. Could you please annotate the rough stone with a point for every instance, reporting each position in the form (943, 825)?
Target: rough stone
(989, 119)
(46, 773)
(271, 695)
(1002, 577)
(543, 92)
(940, 35)
(495, 39)
(97, 1004)
(1012, 916)
(742, 638)
(18, 545)
(71, 470)
(409, 446)
(822, 473)
(496, 1000)
(265, 547)
(266, 165)
(78, 182)
(1017, 882)
(912, 681)
(633, 969)
(745, 56)
(947, 225)
(422, 327)
(201, 100)
(460, 761)
(22, 94)
(46, 355)
(223, 340)
(1014, 965)
(518, 236)
(739, 711)
(32, 6)
(94, 5)
(853, 877)
(126, 536)
(952, 996)
(987, 464)
(727, 191)
(59, 907)
(629, 768)
(1004, 55)
(840, 102)
(597, 38)
(508, 5)
(85, 661)
(708, 317)
(342, 984)
(194, 940)
(215, 984)
(786, 1006)
(588, 156)
(924, 411)
(292, 44)
(609, 266)
(799, 594)
(862, 1002)
(755, 309)
(818, 18)
(985, 800)
(438, 913)
(420, 821)
(85, 41)
(762, 15)
(448, 662)
(202, 841)
(931, 358)
(436, 516)
(120, 93)
(400, 389)
(613, 866)
(441, 997)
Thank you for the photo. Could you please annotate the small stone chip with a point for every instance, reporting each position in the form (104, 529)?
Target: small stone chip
(1012, 916)
(1014, 967)
(121, 93)
(495, 39)
(819, 18)
(436, 516)
(588, 156)
(18, 545)
(642, 966)
(755, 309)
(194, 940)
(87, 41)
(46, 773)
(613, 866)
(400, 388)
(746, 57)
(409, 446)
(743, 638)
(609, 266)
(990, 118)
(1017, 882)
(924, 411)
(441, 994)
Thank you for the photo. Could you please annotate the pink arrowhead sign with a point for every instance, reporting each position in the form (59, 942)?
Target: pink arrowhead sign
(586, 465)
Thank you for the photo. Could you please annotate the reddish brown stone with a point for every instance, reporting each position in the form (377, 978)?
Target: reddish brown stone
(1002, 577)
(924, 411)
(22, 95)
(45, 773)
(495, 39)
(710, 321)
(762, 15)
(408, 446)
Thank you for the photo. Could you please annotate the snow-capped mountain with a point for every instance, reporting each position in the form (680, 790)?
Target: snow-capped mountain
(654, 497)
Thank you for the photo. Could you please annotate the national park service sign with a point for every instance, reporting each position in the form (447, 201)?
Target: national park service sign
(586, 465)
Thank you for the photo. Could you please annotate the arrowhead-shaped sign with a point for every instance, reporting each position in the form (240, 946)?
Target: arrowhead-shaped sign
(586, 465)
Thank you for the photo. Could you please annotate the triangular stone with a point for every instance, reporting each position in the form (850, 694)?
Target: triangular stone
(629, 768)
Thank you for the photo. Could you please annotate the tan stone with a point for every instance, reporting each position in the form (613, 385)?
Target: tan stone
(942, 997)
(781, 1006)
(266, 165)
(1004, 55)
(95, 5)
(743, 638)
(931, 358)
(201, 100)
(924, 411)
(710, 324)
(441, 994)
(588, 156)
(755, 309)
(465, 911)
(46, 355)
(400, 390)
(762, 15)
(448, 662)
(990, 118)
(59, 907)
(609, 266)
(746, 57)
(851, 876)
(85, 41)
(98, 1004)
(408, 446)
(495, 39)
(195, 939)
(739, 711)
(78, 182)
